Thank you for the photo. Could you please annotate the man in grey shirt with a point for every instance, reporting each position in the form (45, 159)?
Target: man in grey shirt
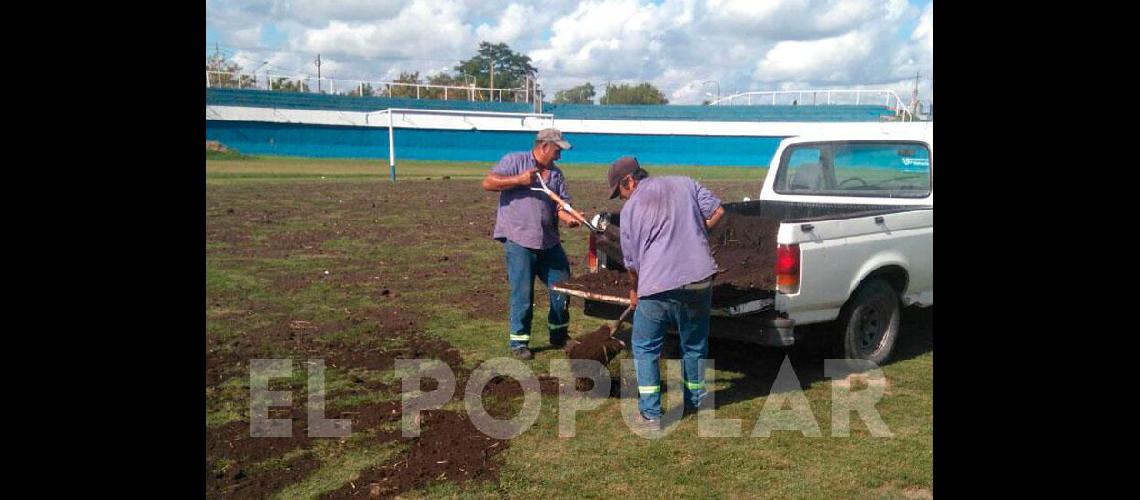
(665, 248)
(527, 225)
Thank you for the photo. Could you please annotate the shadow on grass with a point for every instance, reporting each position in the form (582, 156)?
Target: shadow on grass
(755, 367)
(759, 365)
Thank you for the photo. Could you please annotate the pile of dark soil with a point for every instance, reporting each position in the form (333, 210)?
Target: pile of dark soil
(598, 345)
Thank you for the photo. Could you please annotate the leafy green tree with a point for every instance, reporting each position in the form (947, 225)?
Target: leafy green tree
(644, 93)
(286, 84)
(404, 90)
(510, 69)
(363, 90)
(229, 76)
(447, 80)
(582, 94)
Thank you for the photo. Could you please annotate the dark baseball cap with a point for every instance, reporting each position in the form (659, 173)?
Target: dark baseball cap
(619, 169)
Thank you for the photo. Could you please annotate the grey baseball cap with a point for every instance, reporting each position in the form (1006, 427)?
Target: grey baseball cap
(553, 135)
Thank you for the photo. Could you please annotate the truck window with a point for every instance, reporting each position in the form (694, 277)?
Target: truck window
(804, 170)
(873, 169)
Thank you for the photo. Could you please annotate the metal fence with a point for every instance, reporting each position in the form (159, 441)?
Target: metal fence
(267, 80)
(821, 97)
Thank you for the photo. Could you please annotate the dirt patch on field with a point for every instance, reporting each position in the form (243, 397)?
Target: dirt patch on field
(385, 245)
(449, 448)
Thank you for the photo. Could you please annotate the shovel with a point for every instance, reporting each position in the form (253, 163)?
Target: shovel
(621, 318)
(596, 337)
(562, 203)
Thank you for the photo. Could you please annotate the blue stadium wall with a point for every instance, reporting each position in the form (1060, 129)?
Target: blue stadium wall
(325, 141)
(306, 138)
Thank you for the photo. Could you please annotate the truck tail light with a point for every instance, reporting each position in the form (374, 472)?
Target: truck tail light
(788, 268)
(592, 256)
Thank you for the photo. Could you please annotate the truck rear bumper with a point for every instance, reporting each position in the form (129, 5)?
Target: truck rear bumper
(764, 329)
(767, 331)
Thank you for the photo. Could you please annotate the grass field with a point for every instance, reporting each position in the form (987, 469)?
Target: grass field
(328, 259)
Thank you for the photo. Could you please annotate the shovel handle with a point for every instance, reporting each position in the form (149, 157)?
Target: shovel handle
(566, 206)
(621, 318)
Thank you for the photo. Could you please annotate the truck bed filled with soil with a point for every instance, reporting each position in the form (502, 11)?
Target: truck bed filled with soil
(743, 244)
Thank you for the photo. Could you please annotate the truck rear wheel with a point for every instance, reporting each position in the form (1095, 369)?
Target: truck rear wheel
(869, 322)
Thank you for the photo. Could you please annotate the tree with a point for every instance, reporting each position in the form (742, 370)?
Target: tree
(227, 73)
(582, 94)
(447, 80)
(362, 90)
(287, 84)
(511, 69)
(644, 93)
(405, 90)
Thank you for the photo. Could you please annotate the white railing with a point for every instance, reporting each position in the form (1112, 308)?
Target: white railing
(267, 80)
(820, 97)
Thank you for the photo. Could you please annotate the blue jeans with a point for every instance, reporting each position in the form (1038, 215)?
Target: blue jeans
(688, 310)
(550, 266)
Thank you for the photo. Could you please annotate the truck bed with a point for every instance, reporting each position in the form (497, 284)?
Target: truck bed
(743, 245)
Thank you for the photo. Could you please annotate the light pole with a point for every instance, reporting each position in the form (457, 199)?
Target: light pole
(470, 86)
(703, 82)
(443, 71)
(263, 64)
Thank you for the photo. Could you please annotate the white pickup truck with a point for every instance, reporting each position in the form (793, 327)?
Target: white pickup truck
(846, 235)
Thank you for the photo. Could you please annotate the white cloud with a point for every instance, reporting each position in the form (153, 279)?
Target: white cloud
(320, 11)
(621, 39)
(306, 12)
(515, 22)
(246, 37)
(924, 32)
(224, 14)
(867, 54)
(740, 44)
(404, 35)
(789, 19)
(819, 60)
(917, 54)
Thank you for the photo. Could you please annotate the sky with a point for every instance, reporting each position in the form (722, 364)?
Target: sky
(689, 49)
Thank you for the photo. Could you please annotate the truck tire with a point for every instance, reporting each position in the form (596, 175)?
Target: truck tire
(869, 322)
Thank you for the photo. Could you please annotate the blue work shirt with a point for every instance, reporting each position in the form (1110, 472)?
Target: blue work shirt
(526, 217)
(663, 234)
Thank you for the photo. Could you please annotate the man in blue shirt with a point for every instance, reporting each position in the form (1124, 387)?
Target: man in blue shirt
(526, 224)
(665, 248)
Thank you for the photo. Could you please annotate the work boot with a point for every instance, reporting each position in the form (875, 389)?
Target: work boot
(523, 353)
(646, 424)
(693, 410)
